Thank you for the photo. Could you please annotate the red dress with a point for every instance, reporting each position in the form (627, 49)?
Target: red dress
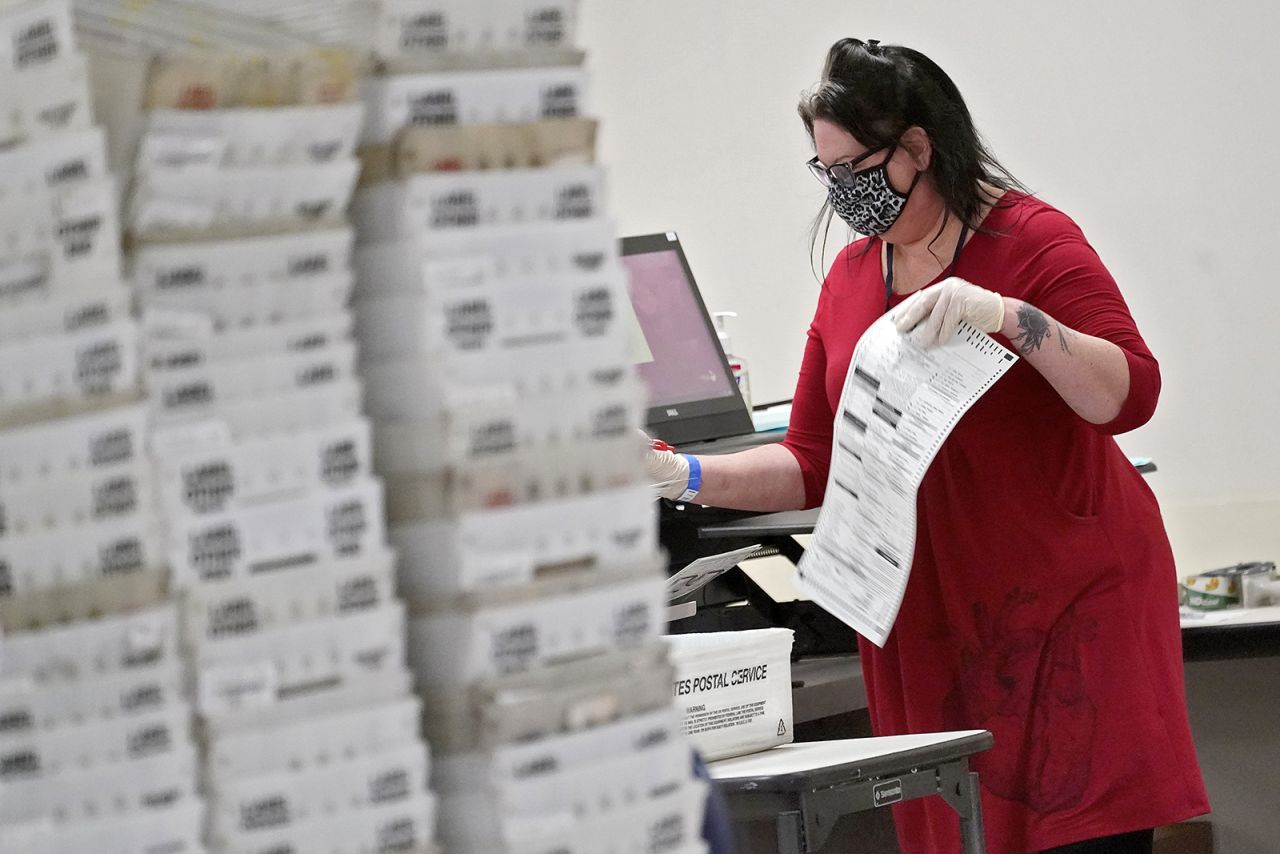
(1042, 604)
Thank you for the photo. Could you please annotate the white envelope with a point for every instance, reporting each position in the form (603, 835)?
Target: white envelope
(97, 360)
(256, 605)
(513, 315)
(66, 502)
(283, 412)
(258, 136)
(670, 823)
(439, 381)
(489, 421)
(35, 34)
(249, 805)
(102, 742)
(28, 274)
(301, 742)
(73, 554)
(300, 531)
(188, 339)
(99, 646)
(415, 29)
(507, 545)
(195, 199)
(551, 621)
(470, 97)
(28, 706)
(87, 231)
(540, 805)
(227, 475)
(407, 825)
(136, 787)
(315, 656)
(177, 268)
(355, 691)
(259, 305)
(431, 202)
(58, 161)
(51, 312)
(45, 99)
(560, 699)
(176, 829)
(99, 441)
(204, 388)
(536, 759)
(535, 249)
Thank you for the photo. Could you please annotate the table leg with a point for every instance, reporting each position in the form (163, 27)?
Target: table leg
(971, 829)
(958, 786)
(791, 833)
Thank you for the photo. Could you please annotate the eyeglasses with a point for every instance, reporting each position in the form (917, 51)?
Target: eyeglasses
(841, 173)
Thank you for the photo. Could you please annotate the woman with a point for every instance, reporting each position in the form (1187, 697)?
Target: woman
(1042, 601)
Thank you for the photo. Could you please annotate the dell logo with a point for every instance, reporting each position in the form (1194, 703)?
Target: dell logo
(673, 412)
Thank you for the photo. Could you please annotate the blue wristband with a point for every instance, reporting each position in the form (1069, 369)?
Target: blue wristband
(695, 478)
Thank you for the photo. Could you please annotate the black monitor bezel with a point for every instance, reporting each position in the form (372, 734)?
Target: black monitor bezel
(697, 420)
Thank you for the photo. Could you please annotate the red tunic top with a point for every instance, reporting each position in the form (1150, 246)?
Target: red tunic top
(1042, 603)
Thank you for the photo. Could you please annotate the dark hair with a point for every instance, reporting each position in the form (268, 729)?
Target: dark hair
(876, 92)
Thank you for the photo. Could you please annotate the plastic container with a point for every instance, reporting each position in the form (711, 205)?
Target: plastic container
(734, 689)
(737, 364)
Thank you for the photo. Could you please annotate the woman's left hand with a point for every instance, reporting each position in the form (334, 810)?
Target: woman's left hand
(938, 310)
(1091, 374)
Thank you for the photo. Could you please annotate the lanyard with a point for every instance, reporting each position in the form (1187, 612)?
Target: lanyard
(888, 272)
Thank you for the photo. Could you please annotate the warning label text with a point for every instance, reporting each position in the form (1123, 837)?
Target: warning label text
(708, 720)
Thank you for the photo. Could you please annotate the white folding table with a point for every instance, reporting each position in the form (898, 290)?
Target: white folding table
(806, 787)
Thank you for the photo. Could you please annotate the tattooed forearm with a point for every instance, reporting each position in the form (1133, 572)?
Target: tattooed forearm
(1064, 338)
(1033, 328)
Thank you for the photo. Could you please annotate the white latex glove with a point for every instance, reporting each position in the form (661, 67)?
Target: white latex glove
(938, 310)
(669, 471)
(666, 470)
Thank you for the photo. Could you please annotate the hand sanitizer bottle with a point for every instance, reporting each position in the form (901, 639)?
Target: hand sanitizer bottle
(736, 363)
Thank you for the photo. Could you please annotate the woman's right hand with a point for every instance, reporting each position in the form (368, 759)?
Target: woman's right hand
(666, 470)
(765, 479)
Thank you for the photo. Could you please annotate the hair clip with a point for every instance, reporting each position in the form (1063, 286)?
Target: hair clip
(873, 45)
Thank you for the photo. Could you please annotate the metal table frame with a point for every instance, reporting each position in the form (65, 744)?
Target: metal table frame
(805, 806)
(1227, 641)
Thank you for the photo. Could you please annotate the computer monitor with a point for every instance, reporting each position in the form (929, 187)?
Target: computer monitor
(692, 393)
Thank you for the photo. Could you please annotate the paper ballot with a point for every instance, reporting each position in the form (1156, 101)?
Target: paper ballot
(899, 403)
(703, 570)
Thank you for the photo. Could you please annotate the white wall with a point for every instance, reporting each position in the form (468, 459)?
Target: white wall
(1153, 123)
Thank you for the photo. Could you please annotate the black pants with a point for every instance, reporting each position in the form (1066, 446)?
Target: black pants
(1138, 842)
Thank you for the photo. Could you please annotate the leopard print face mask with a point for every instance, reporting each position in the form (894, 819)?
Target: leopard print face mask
(870, 205)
